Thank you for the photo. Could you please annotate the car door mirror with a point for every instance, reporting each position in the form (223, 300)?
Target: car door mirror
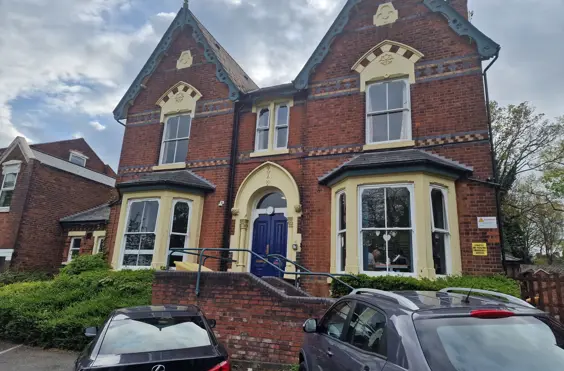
(212, 323)
(310, 326)
(91, 332)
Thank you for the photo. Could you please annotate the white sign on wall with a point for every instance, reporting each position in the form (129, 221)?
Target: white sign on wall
(487, 222)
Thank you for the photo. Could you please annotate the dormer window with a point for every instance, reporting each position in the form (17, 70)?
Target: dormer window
(78, 158)
(174, 148)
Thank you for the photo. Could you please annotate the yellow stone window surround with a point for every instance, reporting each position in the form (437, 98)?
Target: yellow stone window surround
(272, 107)
(421, 184)
(181, 98)
(166, 201)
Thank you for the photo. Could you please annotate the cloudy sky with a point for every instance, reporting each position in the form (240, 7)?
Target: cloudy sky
(64, 64)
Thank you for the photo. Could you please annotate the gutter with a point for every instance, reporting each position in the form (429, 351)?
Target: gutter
(231, 184)
(494, 164)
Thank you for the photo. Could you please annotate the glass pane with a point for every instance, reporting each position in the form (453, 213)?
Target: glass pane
(282, 116)
(180, 218)
(177, 241)
(373, 208)
(130, 259)
(132, 241)
(77, 160)
(150, 216)
(374, 250)
(398, 208)
(342, 243)
(275, 199)
(439, 213)
(145, 260)
(9, 180)
(172, 259)
(184, 126)
(171, 128)
(101, 245)
(377, 98)
(366, 330)
(379, 126)
(399, 251)
(342, 212)
(264, 118)
(135, 214)
(397, 129)
(282, 138)
(396, 94)
(262, 139)
(169, 152)
(439, 253)
(76, 243)
(334, 322)
(181, 151)
(6, 198)
(147, 242)
(75, 253)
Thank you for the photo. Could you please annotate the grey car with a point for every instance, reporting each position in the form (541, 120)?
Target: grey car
(455, 329)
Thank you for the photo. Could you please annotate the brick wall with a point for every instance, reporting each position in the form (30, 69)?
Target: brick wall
(53, 194)
(247, 310)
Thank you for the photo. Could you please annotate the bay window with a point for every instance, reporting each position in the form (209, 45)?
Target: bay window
(179, 230)
(388, 111)
(139, 238)
(341, 231)
(174, 148)
(440, 230)
(386, 228)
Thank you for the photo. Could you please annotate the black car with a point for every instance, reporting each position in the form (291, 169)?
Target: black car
(450, 330)
(154, 338)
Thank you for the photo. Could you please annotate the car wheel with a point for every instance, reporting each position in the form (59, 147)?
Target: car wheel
(302, 367)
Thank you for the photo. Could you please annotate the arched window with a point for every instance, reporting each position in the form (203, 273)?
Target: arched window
(275, 200)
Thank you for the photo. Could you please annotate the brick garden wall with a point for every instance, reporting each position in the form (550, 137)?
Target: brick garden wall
(255, 322)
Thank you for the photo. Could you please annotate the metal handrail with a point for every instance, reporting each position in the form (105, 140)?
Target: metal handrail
(201, 252)
(307, 270)
(509, 298)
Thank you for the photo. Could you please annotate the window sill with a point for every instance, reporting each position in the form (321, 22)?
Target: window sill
(273, 152)
(4, 209)
(386, 145)
(170, 167)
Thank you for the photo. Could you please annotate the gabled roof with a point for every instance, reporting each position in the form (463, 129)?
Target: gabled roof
(178, 178)
(228, 70)
(487, 48)
(23, 146)
(393, 161)
(99, 213)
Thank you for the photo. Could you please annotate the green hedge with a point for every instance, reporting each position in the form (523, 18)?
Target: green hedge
(53, 314)
(393, 283)
(10, 276)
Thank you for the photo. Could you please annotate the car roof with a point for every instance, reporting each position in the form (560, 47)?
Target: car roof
(157, 311)
(436, 302)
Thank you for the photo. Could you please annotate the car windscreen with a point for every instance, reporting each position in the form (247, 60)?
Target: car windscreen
(475, 344)
(127, 336)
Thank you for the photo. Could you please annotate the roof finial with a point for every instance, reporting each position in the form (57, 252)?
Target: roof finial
(186, 3)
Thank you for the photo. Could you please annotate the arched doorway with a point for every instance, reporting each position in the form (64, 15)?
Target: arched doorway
(269, 234)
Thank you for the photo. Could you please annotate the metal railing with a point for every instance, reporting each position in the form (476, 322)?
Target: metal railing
(200, 252)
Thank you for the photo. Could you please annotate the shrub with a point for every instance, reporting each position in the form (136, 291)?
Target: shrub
(54, 313)
(11, 276)
(497, 283)
(85, 263)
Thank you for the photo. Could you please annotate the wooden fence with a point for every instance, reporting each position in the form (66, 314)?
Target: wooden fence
(545, 291)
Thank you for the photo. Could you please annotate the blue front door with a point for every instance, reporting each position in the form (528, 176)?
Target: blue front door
(270, 234)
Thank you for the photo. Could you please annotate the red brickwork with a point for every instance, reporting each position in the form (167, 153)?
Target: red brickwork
(248, 312)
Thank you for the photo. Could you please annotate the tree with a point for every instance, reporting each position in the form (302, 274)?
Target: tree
(553, 177)
(524, 141)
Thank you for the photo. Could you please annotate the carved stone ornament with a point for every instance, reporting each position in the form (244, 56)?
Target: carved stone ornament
(244, 224)
(386, 14)
(234, 211)
(386, 59)
(298, 208)
(290, 222)
(179, 97)
(268, 175)
(185, 60)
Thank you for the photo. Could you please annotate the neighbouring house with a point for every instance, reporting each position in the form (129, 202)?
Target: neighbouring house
(375, 159)
(41, 184)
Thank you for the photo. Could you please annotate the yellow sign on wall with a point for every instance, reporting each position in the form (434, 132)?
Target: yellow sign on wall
(479, 249)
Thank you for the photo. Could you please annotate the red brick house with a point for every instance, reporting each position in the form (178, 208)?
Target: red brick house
(42, 183)
(375, 159)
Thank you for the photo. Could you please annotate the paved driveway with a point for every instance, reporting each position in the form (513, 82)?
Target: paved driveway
(21, 358)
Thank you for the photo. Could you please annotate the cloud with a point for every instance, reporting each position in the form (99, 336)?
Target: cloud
(77, 135)
(97, 126)
(170, 15)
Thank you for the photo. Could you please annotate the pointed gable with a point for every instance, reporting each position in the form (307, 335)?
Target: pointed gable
(228, 71)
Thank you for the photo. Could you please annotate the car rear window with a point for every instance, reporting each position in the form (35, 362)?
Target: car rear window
(127, 336)
(474, 344)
